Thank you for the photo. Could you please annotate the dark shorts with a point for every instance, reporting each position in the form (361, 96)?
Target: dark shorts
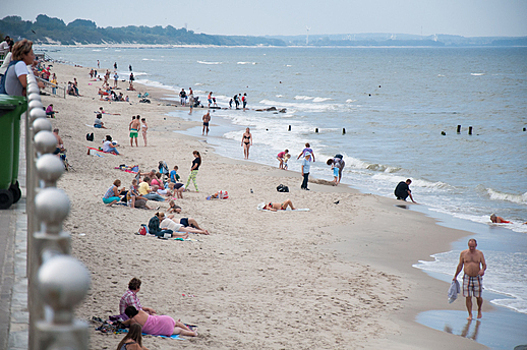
(205, 124)
(178, 185)
(184, 222)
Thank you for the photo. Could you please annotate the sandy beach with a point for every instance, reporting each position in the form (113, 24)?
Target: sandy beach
(338, 276)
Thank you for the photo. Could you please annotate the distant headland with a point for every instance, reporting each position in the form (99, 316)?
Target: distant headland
(53, 31)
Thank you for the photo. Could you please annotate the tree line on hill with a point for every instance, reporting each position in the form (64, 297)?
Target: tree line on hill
(48, 30)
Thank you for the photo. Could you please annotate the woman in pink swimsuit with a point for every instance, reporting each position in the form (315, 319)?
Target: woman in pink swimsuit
(156, 324)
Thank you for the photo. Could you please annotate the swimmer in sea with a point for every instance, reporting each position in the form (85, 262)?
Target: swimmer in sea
(498, 219)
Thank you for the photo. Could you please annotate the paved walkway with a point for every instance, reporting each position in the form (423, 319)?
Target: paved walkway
(14, 323)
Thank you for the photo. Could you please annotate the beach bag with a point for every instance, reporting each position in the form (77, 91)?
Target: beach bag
(282, 188)
(223, 194)
(89, 136)
(142, 231)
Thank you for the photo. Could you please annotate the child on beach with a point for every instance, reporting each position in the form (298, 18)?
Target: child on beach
(286, 159)
(174, 177)
(173, 208)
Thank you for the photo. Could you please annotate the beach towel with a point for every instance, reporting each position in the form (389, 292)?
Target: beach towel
(453, 291)
(262, 205)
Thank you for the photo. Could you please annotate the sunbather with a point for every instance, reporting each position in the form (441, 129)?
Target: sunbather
(154, 227)
(169, 224)
(173, 208)
(279, 206)
(157, 324)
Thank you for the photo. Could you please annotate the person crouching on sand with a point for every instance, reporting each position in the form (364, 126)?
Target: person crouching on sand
(281, 158)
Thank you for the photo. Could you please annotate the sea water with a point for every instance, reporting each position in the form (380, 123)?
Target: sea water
(399, 108)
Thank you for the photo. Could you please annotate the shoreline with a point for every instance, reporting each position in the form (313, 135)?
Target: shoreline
(386, 207)
(424, 314)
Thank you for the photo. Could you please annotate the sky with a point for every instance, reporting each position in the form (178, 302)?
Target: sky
(469, 18)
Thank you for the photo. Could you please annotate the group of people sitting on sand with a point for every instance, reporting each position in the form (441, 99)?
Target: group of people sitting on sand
(145, 320)
(107, 92)
(144, 187)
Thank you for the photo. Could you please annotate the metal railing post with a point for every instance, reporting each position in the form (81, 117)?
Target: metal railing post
(57, 282)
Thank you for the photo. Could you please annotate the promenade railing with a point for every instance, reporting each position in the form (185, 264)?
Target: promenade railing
(57, 281)
(52, 89)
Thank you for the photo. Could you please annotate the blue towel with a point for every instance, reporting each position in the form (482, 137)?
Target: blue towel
(173, 336)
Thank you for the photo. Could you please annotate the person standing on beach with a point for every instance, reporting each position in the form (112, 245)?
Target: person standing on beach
(244, 101)
(134, 127)
(473, 264)
(115, 80)
(194, 170)
(307, 150)
(206, 120)
(115, 65)
(144, 128)
(306, 164)
(190, 99)
(236, 102)
(402, 191)
(98, 64)
(182, 97)
(247, 142)
(209, 98)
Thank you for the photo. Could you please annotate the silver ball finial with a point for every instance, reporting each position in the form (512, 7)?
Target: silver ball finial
(33, 104)
(63, 283)
(33, 96)
(45, 142)
(49, 168)
(32, 88)
(37, 113)
(41, 124)
(52, 206)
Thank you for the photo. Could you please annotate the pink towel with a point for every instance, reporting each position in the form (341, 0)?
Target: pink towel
(159, 325)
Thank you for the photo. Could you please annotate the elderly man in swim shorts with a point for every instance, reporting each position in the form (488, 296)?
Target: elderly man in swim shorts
(473, 262)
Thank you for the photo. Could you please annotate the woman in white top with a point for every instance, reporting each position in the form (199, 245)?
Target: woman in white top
(16, 74)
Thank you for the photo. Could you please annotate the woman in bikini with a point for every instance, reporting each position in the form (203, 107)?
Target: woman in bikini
(133, 339)
(247, 141)
(144, 128)
(279, 206)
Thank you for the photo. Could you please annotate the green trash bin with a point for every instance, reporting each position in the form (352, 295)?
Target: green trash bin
(11, 108)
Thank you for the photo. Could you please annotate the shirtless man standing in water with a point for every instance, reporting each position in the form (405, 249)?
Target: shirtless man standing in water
(206, 120)
(475, 266)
